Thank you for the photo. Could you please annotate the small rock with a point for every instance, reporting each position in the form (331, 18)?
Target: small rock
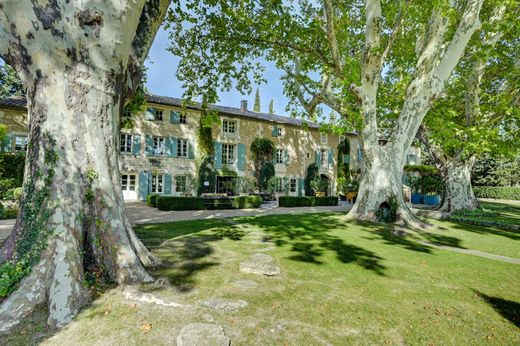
(202, 334)
(225, 305)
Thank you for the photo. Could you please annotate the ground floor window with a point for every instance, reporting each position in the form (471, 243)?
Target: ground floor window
(128, 182)
(20, 143)
(293, 185)
(157, 183)
(180, 183)
(226, 185)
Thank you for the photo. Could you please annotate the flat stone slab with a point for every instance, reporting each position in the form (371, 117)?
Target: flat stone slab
(260, 264)
(244, 284)
(202, 334)
(261, 257)
(225, 305)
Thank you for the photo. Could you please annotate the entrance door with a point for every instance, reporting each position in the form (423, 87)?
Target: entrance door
(128, 187)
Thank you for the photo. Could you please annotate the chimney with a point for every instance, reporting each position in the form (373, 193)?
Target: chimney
(243, 105)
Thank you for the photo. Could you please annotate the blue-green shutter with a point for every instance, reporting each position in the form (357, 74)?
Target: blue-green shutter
(286, 156)
(169, 147)
(318, 159)
(167, 184)
(143, 185)
(285, 186)
(274, 131)
(174, 146)
(175, 117)
(218, 155)
(346, 158)
(7, 143)
(149, 145)
(191, 150)
(300, 187)
(331, 158)
(151, 111)
(241, 154)
(136, 145)
(359, 155)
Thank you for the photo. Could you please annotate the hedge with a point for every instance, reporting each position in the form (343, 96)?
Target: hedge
(200, 203)
(497, 192)
(151, 200)
(308, 201)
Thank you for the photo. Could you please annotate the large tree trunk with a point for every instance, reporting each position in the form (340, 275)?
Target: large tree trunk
(458, 192)
(78, 64)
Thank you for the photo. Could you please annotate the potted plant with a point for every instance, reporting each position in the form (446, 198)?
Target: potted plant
(342, 188)
(352, 190)
(431, 186)
(319, 186)
(415, 184)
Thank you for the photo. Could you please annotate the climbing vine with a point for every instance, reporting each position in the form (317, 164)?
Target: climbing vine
(262, 151)
(36, 211)
(205, 160)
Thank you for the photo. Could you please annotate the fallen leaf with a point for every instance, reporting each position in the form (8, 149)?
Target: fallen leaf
(146, 327)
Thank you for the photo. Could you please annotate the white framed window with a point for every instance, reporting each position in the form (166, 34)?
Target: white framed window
(180, 183)
(158, 116)
(157, 183)
(292, 185)
(128, 182)
(279, 131)
(279, 185)
(158, 146)
(183, 119)
(323, 138)
(228, 154)
(125, 143)
(323, 158)
(229, 126)
(20, 143)
(279, 155)
(182, 148)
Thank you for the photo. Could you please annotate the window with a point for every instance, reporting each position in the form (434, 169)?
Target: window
(293, 185)
(279, 131)
(182, 148)
(279, 185)
(157, 183)
(125, 143)
(411, 159)
(341, 139)
(20, 143)
(323, 158)
(158, 146)
(308, 155)
(158, 116)
(279, 155)
(180, 183)
(127, 113)
(128, 182)
(228, 154)
(183, 119)
(229, 126)
(323, 137)
(226, 185)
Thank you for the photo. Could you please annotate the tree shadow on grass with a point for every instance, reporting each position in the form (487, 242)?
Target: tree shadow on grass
(514, 235)
(309, 238)
(508, 309)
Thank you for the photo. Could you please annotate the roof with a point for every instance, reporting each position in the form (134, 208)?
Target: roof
(172, 101)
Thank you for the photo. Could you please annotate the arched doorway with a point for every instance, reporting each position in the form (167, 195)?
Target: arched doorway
(328, 191)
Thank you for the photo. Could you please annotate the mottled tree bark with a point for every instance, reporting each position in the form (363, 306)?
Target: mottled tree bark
(78, 64)
(458, 192)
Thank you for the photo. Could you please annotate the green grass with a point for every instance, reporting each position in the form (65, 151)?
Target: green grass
(341, 283)
(500, 212)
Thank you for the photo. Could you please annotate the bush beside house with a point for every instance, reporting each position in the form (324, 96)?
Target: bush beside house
(307, 201)
(497, 192)
(168, 203)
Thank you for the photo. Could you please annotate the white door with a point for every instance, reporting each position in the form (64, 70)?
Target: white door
(128, 186)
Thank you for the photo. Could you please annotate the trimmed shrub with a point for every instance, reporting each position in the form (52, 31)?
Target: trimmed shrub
(180, 203)
(308, 201)
(312, 172)
(266, 173)
(246, 202)
(497, 192)
(151, 200)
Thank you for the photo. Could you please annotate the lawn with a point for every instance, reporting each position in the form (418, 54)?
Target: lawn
(340, 283)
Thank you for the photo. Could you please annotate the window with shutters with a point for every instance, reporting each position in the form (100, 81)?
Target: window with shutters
(158, 146)
(182, 148)
(279, 155)
(183, 119)
(125, 143)
(158, 116)
(20, 143)
(180, 183)
(229, 126)
(279, 131)
(323, 158)
(157, 183)
(292, 185)
(128, 182)
(228, 154)
(323, 138)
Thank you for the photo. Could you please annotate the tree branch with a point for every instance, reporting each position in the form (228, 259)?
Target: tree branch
(331, 35)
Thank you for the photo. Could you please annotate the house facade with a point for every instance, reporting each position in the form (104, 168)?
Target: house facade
(158, 154)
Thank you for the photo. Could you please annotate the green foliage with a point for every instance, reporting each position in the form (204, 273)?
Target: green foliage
(10, 83)
(136, 104)
(421, 169)
(266, 173)
(245, 184)
(342, 185)
(311, 174)
(12, 167)
(242, 202)
(277, 185)
(387, 212)
(256, 107)
(151, 200)
(206, 172)
(497, 192)
(202, 203)
(319, 184)
(427, 184)
(180, 203)
(496, 171)
(262, 150)
(3, 132)
(307, 201)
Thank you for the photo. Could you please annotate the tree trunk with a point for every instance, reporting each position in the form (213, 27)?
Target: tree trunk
(458, 193)
(78, 64)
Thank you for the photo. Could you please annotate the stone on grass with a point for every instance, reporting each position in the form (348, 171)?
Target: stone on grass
(225, 305)
(244, 284)
(202, 334)
(260, 264)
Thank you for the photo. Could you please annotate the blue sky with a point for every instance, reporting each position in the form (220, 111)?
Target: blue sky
(162, 66)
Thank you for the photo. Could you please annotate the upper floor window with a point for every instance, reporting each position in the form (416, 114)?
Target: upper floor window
(182, 148)
(323, 158)
(228, 154)
(158, 146)
(229, 126)
(20, 143)
(308, 154)
(279, 131)
(158, 116)
(323, 138)
(292, 186)
(180, 183)
(183, 119)
(127, 113)
(279, 155)
(157, 183)
(125, 143)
